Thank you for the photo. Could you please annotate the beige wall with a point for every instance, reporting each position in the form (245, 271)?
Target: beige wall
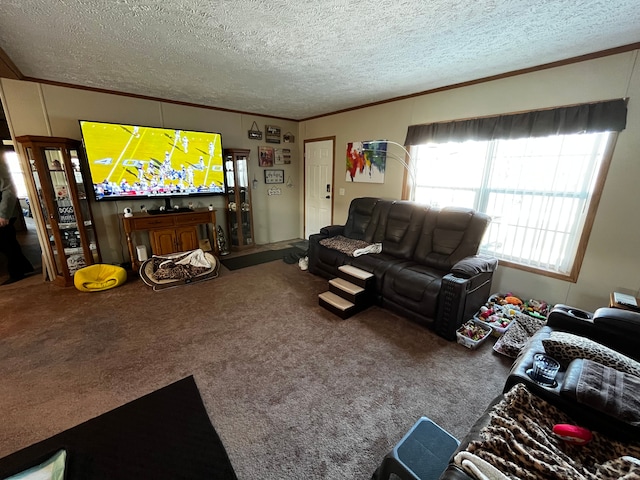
(612, 261)
(40, 109)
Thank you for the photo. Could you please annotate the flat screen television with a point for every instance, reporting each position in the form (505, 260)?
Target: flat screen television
(133, 161)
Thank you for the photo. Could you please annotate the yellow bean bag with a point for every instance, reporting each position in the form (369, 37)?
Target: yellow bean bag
(98, 277)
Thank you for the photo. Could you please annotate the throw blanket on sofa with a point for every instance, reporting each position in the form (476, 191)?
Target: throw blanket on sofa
(518, 442)
(610, 391)
(522, 329)
(350, 246)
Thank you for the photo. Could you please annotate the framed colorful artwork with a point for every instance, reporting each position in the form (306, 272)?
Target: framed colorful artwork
(366, 161)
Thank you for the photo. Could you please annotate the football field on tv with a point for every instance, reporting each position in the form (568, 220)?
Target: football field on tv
(119, 152)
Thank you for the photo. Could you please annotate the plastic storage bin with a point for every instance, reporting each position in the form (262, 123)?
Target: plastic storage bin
(469, 342)
(500, 315)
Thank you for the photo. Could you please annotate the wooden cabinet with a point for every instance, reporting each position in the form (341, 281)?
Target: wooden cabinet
(239, 206)
(61, 208)
(173, 240)
(169, 232)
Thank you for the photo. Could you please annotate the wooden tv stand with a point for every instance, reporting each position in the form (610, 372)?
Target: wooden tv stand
(169, 232)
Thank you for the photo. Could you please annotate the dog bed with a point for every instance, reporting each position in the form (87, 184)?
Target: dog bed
(99, 277)
(166, 271)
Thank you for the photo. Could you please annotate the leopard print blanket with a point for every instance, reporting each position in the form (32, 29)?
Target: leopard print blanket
(519, 443)
(168, 269)
(344, 244)
(522, 329)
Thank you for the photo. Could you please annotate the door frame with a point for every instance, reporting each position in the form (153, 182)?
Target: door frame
(304, 178)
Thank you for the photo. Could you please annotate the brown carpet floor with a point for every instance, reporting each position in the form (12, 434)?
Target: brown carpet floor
(293, 391)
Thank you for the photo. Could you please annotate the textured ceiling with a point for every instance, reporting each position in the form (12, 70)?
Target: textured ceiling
(297, 59)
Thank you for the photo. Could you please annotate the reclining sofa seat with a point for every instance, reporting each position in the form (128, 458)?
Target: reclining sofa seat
(367, 216)
(445, 282)
(398, 233)
(447, 237)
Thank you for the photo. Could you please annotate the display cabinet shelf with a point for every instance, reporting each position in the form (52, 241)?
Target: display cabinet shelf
(61, 210)
(239, 206)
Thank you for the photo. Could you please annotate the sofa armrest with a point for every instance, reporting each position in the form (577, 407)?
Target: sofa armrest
(471, 266)
(617, 320)
(332, 230)
(615, 328)
(459, 299)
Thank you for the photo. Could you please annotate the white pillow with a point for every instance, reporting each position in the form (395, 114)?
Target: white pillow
(52, 469)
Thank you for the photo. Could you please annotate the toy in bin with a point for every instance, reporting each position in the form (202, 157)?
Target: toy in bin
(472, 333)
(497, 317)
(534, 308)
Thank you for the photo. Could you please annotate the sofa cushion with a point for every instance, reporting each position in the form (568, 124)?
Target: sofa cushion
(414, 287)
(449, 235)
(378, 225)
(403, 226)
(566, 347)
(360, 215)
(377, 263)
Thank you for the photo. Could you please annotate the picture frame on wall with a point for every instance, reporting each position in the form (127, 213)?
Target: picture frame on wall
(265, 156)
(278, 157)
(272, 134)
(288, 138)
(254, 132)
(366, 161)
(273, 176)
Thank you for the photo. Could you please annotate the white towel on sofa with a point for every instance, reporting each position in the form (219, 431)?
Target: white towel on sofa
(373, 248)
(477, 467)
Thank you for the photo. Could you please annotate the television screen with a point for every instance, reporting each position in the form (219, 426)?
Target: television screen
(128, 161)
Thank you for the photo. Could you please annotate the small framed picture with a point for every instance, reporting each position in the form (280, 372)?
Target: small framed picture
(286, 156)
(278, 157)
(273, 176)
(272, 134)
(288, 138)
(265, 158)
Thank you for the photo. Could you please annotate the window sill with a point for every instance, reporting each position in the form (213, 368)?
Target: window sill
(573, 277)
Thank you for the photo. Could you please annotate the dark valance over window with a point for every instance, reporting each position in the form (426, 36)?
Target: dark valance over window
(604, 116)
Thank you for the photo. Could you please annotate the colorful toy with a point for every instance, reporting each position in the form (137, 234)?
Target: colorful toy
(572, 433)
(513, 300)
(472, 331)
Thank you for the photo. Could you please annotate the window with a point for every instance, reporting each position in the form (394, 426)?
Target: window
(537, 190)
(538, 174)
(13, 163)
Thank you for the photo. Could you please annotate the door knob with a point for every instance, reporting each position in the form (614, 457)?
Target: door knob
(328, 196)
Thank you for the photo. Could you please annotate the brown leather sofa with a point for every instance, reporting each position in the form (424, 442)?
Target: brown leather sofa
(428, 270)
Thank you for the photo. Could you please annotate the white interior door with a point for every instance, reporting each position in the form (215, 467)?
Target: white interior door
(318, 188)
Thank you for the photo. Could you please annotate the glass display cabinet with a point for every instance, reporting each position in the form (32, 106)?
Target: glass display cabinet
(62, 210)
(239, 206)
